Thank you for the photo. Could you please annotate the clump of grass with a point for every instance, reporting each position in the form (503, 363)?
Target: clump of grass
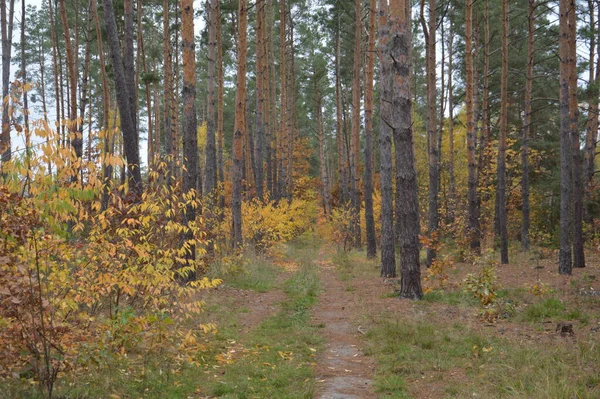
(546, 309)
(407, 350)
(246, 271)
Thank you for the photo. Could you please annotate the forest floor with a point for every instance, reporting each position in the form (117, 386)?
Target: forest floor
(310, 321)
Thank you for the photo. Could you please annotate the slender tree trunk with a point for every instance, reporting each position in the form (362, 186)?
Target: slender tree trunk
(474, 229)
(432, 139)
(339, 124)
(525, 221)
(355, 140)
(131, 148)
(283, 102)
(220, 99)
(388, 239)
(578, 240)
(452, 180)
(261, 115)
(76, 140)
(152, 144)
(210, 180)
(190, 123)
(566, 143)
(501, 164)
(325, 190)
(400, 52)
(240, 126)
(7, 29)
(84, 100)
(368, 176)
(25, 84)
(591, 137)
(129, 66)
(168, 91)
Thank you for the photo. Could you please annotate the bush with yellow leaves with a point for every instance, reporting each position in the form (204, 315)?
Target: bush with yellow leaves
(81, 282)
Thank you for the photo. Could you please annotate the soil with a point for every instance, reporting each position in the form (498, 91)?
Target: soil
(342, 370)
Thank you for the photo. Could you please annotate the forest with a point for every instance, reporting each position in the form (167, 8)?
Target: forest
(300, 199)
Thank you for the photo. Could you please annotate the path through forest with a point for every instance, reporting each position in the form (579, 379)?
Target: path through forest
(342, 370)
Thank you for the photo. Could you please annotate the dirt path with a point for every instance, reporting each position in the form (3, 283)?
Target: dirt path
(342, 369)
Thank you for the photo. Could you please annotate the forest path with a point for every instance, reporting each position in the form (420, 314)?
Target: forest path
(342, 371)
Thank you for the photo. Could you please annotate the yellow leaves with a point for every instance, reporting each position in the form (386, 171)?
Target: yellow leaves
(285, 355)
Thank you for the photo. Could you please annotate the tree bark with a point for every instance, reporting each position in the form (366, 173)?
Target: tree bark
(7, 18)
(526, 214)
(566, 142)
(591, 137)
(190, 123)
(452, 179)
(368, 176)
(167, 91)
(474, 230)
(388, 239)
(132, 152)
(261, 115)
(240, 126)
(400, 52)
(220, 99)
(210, 179)
(501, 164)
(578, 240)
(429, 29)
(76, 139)
(355, 140)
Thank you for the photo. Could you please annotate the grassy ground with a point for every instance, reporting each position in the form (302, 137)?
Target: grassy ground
(273, 358)
(446, 347)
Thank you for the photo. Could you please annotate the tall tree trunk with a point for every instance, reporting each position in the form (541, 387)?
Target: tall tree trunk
(210, 180)
(526, 216)
(355, 140)
(474, 230)
(368, 176)
(261, 115)
(578, 240)
(129, 66)
(25, 84)
(388, 239)
(7, 29)
(76, 139)
(142, 59)
(452, 180)
(190, 123)
(283, 102)
(84, 99)
(339, 124)
(501, 164)
(400, 52)
(220, 99)
(591, 137)
(132, 152)
(325, 190)
(167, 90)
(432, 139)
(240, 126)
(566, 143)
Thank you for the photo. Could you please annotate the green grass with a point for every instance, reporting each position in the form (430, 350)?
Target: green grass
(494, 368)
(554, 310)
(249, 272)
(272, 360)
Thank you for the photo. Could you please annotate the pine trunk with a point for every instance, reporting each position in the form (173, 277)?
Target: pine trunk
(132, 153)
(388, 239)
(240, 126)
(526, 214)
(474, 230)
(501, 164)
(368, 176)
(566, 143)
(408, 216)
(190, 123)
(210, 179)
